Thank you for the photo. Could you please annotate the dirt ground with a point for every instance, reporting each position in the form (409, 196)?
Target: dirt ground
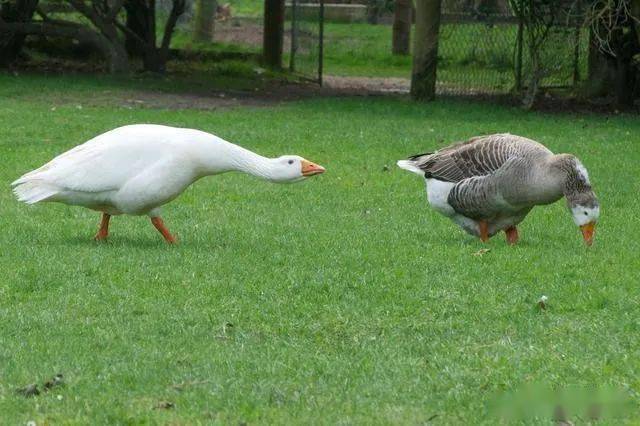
(278, 93)
(247, 32)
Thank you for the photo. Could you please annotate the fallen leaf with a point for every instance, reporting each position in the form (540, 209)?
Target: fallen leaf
(164, 405)
(482, 252)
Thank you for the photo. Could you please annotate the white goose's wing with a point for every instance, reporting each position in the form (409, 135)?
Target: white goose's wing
(102, 164)
(479, 156)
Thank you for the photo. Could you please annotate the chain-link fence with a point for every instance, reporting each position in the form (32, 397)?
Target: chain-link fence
(483, 44)
(304, 24)
(486, 51)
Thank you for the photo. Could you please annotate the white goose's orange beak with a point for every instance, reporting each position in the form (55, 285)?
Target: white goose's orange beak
(588, 229)
(311, 169)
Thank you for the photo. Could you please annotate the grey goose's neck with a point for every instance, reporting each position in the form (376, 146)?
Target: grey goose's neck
(572, 173)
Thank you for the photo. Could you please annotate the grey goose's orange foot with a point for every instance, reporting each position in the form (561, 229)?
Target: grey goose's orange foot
(103, 232)
(484, 230)
(159, 224)
(512, 235)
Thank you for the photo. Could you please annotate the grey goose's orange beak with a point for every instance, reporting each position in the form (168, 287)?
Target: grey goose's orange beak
(588, 229)
(311, 169)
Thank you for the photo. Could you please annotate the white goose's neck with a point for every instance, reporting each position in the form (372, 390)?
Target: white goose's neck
(251, 163)
(219, 156)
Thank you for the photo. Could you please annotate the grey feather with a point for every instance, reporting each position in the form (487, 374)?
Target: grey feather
(500, 178)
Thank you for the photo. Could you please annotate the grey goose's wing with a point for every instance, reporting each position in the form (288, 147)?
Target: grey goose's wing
(479, 156)
(480, 197)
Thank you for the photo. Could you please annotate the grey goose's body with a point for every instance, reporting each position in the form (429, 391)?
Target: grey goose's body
(495, 180)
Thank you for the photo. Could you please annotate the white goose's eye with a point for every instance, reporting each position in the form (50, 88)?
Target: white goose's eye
(586, 214)
(291, 162)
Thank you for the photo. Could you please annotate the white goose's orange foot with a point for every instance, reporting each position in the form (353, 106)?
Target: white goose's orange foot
(103, 232)
(159, 224)
(512, 235)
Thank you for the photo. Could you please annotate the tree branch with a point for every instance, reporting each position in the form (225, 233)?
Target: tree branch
(58, 29)
(115, 9)
(132, 34)
(87, 11)
(176, 10)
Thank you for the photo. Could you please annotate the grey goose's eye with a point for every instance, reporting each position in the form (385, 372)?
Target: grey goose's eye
(291, 162)
(586, 214)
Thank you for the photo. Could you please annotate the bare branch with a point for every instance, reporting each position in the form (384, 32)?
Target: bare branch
(115, 9)
(176, 10)
(132, 34)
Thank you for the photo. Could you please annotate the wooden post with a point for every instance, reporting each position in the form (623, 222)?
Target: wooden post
(425, 50)
(273, 33)
(205, 20)
(401, 27)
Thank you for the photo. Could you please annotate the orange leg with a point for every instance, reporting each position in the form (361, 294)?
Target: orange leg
(512, 235)
(159, 224)
(103, 232)
(484, 230)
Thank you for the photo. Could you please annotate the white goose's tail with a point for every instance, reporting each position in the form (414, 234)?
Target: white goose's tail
(411, 166)
(30, 190)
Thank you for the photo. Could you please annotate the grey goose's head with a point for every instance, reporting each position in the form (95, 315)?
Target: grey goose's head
(581, 199)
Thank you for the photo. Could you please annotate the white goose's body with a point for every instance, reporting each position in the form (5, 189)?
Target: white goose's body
(138, 168)
(490, 183)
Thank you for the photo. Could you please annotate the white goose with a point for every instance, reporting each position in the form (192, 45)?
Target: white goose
(138, 168)
(490, 183)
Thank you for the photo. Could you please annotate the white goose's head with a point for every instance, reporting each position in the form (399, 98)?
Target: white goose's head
(292, 168)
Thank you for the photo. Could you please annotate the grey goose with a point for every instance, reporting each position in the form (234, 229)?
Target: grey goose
(490, 183)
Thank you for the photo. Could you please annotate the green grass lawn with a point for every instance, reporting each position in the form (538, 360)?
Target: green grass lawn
(343, 299)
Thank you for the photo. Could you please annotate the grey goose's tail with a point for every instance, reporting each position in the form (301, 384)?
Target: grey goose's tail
(412, 164)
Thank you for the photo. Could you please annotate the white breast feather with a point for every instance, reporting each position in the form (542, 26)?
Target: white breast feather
(437, 194)
(583, 171)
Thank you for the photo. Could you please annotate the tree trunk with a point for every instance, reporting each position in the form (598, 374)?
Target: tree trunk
(11, 44)
(601, 74)
(273, 33)
(635, 12)
(140, 32)
(141, 22)
(205, 20)
(401, 27)
(373, 12)
(118, 58)
(140, 39)
(425, 50)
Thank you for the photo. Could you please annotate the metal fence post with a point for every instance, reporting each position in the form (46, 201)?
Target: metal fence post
(576, 47)
(321, 42)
